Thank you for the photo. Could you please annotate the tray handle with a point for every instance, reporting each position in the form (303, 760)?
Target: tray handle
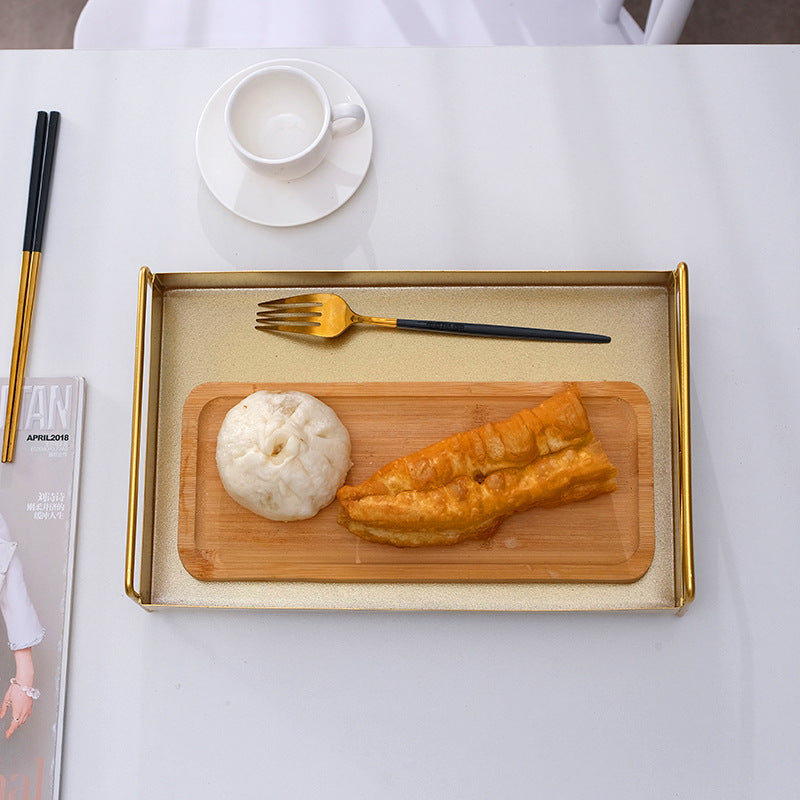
(145, 282)
(686, 590)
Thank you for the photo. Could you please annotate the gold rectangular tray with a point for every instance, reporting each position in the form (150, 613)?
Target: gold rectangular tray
(195, 334)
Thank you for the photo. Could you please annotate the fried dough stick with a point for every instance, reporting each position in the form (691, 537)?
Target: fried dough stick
(465, 508)
(559, 422)
(466, 485)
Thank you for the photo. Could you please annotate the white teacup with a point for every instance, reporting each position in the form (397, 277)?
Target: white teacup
(281, 123)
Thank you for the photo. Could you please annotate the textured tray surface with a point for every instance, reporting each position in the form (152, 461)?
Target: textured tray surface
(607, 539)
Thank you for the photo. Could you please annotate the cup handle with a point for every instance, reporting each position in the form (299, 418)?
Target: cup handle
(351, 112)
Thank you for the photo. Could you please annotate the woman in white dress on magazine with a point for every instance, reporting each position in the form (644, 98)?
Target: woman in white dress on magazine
(24, 632)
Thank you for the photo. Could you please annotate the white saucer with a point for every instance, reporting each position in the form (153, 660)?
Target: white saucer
(279, 203)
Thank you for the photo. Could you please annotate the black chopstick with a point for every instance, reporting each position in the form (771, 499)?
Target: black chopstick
(44, 149)
(39, 139)
(53, 123)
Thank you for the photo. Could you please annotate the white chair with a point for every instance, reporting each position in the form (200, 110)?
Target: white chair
(153, 24)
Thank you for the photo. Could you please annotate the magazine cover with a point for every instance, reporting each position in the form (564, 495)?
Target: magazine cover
(38, 504)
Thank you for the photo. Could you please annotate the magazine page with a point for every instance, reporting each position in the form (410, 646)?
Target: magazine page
(38, 504)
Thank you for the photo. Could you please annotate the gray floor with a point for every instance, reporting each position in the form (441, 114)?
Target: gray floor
(46, 24)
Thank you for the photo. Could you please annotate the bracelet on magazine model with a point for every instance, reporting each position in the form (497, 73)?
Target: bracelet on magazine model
(29, 690)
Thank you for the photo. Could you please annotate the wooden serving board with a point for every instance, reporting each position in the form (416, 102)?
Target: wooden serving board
(609, 538)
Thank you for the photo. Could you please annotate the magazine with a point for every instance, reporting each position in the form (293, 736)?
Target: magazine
(38, 505)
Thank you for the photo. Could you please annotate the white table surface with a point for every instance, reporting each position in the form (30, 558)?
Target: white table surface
(491, 158)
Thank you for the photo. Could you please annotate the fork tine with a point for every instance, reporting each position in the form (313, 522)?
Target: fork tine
(286, 328)
(308, 323)
(288, 314)
(305, 323)
(312, 299)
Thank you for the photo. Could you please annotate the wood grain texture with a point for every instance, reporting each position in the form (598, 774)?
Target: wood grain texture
(607, 539)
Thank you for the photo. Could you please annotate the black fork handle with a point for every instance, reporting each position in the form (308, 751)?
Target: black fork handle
(502, 331)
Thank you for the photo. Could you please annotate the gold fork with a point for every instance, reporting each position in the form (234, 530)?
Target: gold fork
(329, 315)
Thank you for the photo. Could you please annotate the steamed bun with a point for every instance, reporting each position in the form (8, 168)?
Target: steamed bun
(282, 455)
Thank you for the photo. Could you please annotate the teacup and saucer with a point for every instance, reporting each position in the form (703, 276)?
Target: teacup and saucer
(284, 142)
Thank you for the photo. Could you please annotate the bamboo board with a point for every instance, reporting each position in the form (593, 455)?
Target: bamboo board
(606, 539)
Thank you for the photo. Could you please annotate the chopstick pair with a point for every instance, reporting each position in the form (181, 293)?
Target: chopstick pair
(44, 149)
